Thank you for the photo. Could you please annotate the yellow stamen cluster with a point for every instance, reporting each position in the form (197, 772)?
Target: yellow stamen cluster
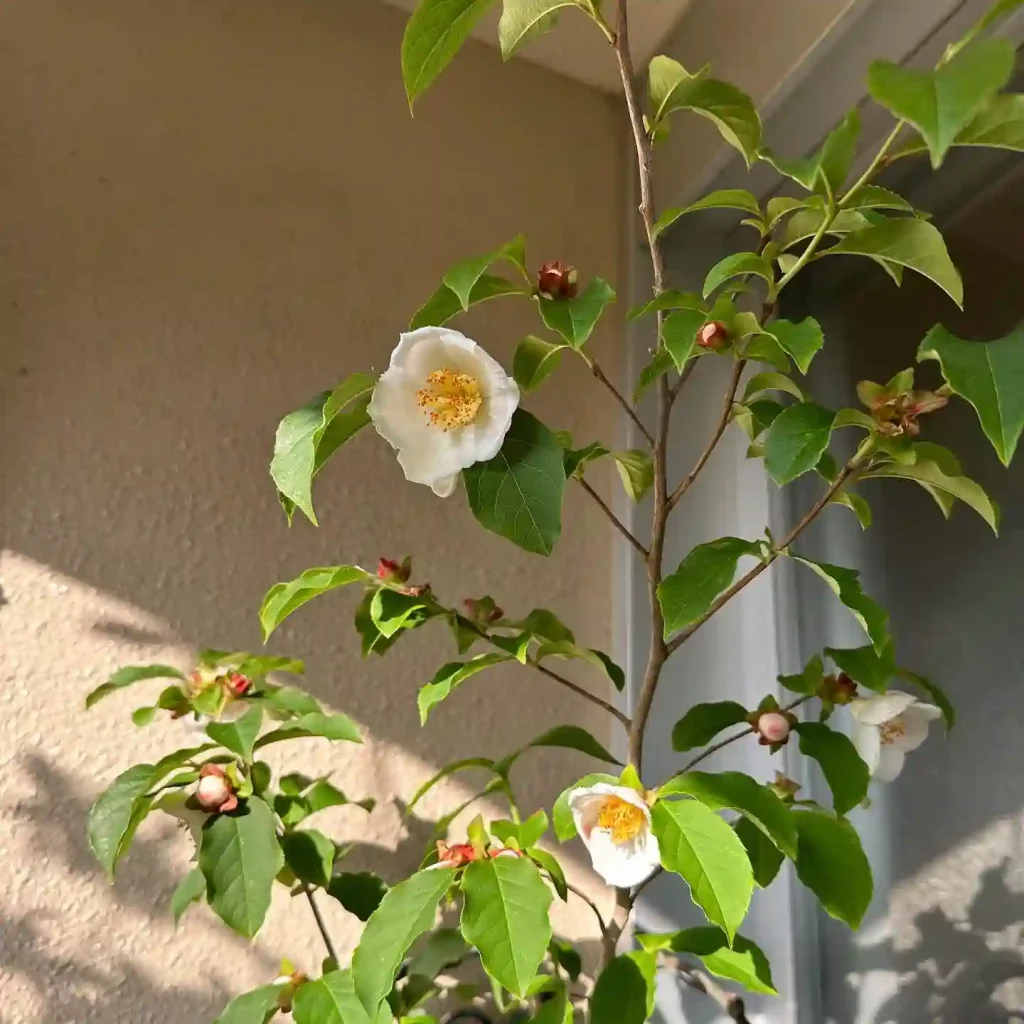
(450, 399)
(624, 820)
(892, 730)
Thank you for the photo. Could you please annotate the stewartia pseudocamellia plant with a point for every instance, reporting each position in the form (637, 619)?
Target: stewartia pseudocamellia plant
(452, 412)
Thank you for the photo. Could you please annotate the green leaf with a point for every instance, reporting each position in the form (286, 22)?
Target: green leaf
(523, 19)
(932, 478)
(874, 197)
(240, 858)
(809, 680)
(392, 611)
(462, 278)
(907, 242)
(679, 334)
(575, 319)
(803, 170)
(359, 892)
(449, 769)
(865, 665)
(723, 199)
(831, 863)
(526, 833)
(703, 722)
(697, 844)
(518, 493)
(190, 889)
(505, 917)
(444, 303)
(738, 792)
(799, 340)
(732, 111)
(449, 676)
(1000, 125)
(846, 774)
(661, 362)
(838, 150)
(534, 361)
(284, 598)
(547, 862)
(845, 584)
(737, 265)
(857, 505)
(636, 471)
(624, 992)
(934, 692)
(764, 856)
(256, 1007)
(670, 299)
(796, 441)
(116, 815)
(999, 10)
(442, 948)
(768, 380)
(332, 999)
(600, 660)
(238, 735)
(310, 855)
(688, 593)
(743, 963)
(329, 727)
(573, 737)
(128, 676)
(404, 914)
(561, 815)
(433, 35)
(989, 375)
(941, 103)
(308, 437)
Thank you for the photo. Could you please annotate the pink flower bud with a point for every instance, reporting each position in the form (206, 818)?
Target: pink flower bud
(773, 727)
(713, 335)
(394, 572)
(555, 281)
(237, 684)
(455, 856)
(215, 793)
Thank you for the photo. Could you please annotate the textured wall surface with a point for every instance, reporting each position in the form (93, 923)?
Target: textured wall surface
(211, 210)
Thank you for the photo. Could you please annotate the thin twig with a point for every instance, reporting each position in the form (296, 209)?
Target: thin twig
(616, 522)
(321, 924)
(620, 398)
(590, 903)
(723, 422)
(727, 595)
(730, 1003)
(683, 378)
(593, 698)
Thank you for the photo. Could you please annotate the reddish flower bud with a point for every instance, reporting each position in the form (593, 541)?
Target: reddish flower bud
(237, 684)
(555, 281)
(483, 610)
(713, 335)
(839, 689)
(455, 856)
(394, 572)
(773, 728)
(215, 793)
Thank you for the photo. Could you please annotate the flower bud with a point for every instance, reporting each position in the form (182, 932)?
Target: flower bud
(482, 610)
(839, 689)
(555, 281)
(773, 728)
(237, 685)
(713, 335)
(215, 793)
(394, 572)
(455, 856)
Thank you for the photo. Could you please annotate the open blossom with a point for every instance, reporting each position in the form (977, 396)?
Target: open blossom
(886, 726)
(444, 404)
(615, 825)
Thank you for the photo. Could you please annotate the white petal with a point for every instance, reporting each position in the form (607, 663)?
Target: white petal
(445, 487)
(631, 796)
(890, 763)
(868, 741)
(419, 342)
(623, 865)
(881, 708)
(915, 722)
(394, 410)
(430, 463)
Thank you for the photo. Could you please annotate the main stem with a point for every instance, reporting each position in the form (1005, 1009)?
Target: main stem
(658, 650)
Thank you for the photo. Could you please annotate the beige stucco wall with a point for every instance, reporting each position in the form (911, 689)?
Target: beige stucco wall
(212, 209)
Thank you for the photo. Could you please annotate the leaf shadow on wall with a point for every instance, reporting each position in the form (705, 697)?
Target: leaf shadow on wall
(958, 971)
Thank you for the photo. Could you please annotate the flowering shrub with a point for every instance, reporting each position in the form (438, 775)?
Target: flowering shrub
(452, 412)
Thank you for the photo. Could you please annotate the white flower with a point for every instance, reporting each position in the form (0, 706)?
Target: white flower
(444, 404)
(886, 726)
(615, 824)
